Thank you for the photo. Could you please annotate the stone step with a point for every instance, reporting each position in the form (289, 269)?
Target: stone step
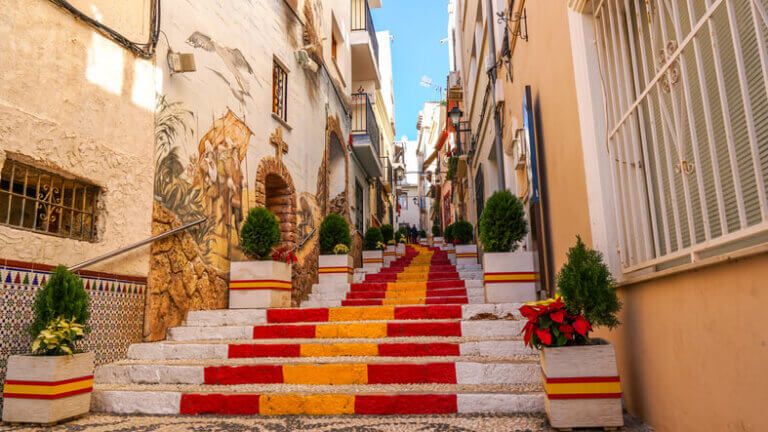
(337, 371)
(337, 330)
(433, 292)
(455, 300)
(317, 400)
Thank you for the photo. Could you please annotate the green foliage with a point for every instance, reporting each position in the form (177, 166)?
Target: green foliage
(402, 234)
(58, 338)
(453, 165)
(448, 234)
(502, 224)
(387, 233)
(422, 234)
(334, 231)
(340, 249)
(62, 296)
(587, 286)
(259, 234)
(372, 239)
(436, 230)
(463, 233)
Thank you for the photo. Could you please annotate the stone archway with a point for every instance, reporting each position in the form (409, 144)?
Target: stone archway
(275, 191)
(333, 178)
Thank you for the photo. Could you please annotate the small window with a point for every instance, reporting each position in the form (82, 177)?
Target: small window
(334, 47)
(41, 201)
(279, 91)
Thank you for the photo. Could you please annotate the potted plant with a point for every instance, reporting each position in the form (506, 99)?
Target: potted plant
(402, 235)
(373, 246)
(265, 281)
(388, 237)
(580, 377)
(55, 382)
(510, 275)
(449, 245)
(335, 265)
(422, 238)
(437, 240)
(463, 237)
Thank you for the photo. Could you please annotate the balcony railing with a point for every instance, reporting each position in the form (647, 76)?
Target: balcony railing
(364, 121)
(362, 20)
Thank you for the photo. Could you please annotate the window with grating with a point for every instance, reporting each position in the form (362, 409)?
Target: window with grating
(359, 219)
(686, 86)
(479, 191)
(279, 91)
(41, 201)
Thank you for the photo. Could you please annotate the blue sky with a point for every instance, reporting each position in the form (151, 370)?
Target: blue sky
(417, 27)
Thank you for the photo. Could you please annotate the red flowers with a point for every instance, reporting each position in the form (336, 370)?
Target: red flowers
(284, 254)
(550, 324)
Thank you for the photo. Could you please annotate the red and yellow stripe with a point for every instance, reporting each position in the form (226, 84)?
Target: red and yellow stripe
(21, 389)
(263, 284)
(466, 255)
(335, 270)
(344, 350)
(372, 260)
(511, 277)
(361, 330)
(317, 404)
(582, 387)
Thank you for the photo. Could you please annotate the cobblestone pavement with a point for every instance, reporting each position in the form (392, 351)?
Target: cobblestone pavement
(449, 423)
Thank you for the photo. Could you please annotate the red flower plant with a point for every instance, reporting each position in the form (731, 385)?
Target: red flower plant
(284, 254)
(550, 325)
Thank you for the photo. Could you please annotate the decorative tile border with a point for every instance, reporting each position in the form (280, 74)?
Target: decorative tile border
(117, 310)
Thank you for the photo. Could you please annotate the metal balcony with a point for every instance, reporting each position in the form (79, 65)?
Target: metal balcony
(365, 134)
(365, 46)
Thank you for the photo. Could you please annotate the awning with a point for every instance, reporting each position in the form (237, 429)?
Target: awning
(441, 141)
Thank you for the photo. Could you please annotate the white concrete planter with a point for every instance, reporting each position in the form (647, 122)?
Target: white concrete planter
(582, 387)
(47, 389)
(390, 254)
(466, 254)
(333, 269)
(510, 277)
(423, 241)
(373, 260)
(450, 249)
(400, 249)
(438, 242)
(259, 284)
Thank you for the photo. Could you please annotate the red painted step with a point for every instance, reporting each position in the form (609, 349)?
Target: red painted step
(385, 350)
(393, 329)
(427, 301)
(382, 286)
(439, 292)
(298, 315)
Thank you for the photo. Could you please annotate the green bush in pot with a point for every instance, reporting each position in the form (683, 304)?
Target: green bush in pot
(502, 223)
(373, 239)
(334, 230)
(463, 233)
(259, 234)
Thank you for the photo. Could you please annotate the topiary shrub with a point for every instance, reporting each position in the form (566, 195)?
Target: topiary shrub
(63, 296)
(448, 234)
(334, 231)
(422, 234)
(373, 239)
(402, 234)
(259, 234)
(502, 224)
(587, 286)
(387, 233)
(436, 230)
(463, 233)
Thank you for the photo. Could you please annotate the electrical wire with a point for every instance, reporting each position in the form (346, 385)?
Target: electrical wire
(143, 50)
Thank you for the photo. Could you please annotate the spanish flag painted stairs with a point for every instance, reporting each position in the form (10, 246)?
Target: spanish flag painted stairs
(414, 338)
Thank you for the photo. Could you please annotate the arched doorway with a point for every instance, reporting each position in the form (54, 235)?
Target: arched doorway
(334, 192)
(275, 191)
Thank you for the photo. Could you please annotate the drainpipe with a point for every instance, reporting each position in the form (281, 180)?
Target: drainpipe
(492, 77)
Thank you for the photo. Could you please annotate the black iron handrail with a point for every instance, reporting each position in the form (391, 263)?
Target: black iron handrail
(362, 20)
(364, 120)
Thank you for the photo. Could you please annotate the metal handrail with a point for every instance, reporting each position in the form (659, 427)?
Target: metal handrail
(131, 247)
(305, 239)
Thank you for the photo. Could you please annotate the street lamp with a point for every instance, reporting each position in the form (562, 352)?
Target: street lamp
(456, 114)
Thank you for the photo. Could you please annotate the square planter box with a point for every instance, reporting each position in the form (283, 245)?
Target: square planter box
(438, 242)
(466, 254)
(423, 241)
(373, 260)
(400, 249)
(510, 277)
(259, 285)
(582, 386)
(390, 255)
(450, 249)
(47, 389)
(333, 269)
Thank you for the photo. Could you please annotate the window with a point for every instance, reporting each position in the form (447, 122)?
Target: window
(359, 207)
(279, 91)
(334, 47)
(402, 199)
(479, 191)
(686, 86)
(37, 200)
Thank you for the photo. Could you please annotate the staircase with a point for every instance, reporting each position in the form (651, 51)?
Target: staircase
(414, 338)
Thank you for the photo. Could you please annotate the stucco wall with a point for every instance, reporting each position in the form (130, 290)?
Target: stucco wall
(692, 350)
(74, 101)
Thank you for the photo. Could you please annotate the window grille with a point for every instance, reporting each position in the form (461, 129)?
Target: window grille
(686, 91)
(37, 200)
(479, 192)
(359, 219)
(279, 91)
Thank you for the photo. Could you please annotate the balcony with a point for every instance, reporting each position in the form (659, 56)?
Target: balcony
(365, 134)
(388, 174)
(365, 46)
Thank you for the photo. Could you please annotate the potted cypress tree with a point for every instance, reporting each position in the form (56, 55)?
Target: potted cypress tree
(265, 281)
(580, 377)
(402, 234)
(388, 237)
(55, 382)
(463, 237)
(373, 247)
(510, 276)
(335, 264)
(437, 240)
(422, 238)
(449, 245)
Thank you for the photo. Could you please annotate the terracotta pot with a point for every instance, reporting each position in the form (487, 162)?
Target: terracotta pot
(259, 285)
(510, 277)
(335, 269)
(582, 386)
(47, 389)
